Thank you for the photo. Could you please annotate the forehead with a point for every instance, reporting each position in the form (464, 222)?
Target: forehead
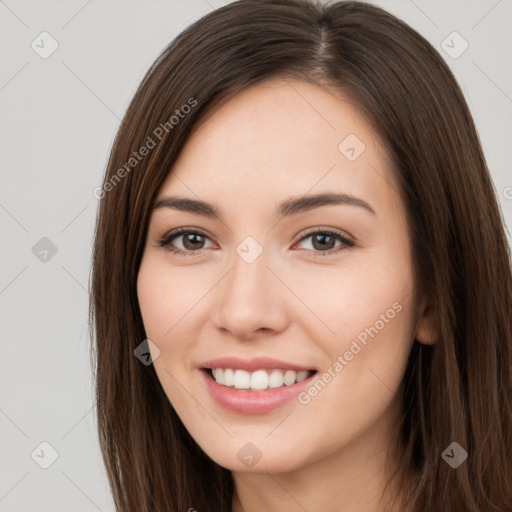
(281, 136)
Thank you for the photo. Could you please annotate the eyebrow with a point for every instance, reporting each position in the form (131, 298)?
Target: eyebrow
(291, 206)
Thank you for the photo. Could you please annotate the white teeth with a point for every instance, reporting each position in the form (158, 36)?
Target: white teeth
(258, 380)
(289, 377)
(241, 379)
(229, 377)
(300, 375)
(276, 379)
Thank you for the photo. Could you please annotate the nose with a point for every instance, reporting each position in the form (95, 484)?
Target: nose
(250, 302)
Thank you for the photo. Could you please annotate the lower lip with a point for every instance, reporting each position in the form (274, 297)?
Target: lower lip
(252, 402)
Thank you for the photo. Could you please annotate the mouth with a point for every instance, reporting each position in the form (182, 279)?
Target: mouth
(258, 380)
(254, 387)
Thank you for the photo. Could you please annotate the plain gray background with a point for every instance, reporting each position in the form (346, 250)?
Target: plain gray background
(59, 117)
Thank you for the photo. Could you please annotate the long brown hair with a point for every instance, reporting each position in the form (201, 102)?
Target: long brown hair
(457, 390)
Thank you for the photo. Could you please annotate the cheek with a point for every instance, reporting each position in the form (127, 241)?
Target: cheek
(164, 313)
(355, 301)
(150, 288)
(166, 299)
(365, 362)
(365, 332)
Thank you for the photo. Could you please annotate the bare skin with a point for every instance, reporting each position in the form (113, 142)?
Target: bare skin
(276, 140)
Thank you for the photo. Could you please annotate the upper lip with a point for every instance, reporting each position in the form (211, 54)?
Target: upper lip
(250, 365)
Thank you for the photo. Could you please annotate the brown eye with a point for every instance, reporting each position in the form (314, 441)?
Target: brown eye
(323, 242)
(192, 241)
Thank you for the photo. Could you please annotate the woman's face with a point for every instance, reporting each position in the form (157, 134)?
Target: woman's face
(276, 286)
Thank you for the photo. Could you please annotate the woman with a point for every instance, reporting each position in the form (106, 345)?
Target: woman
(301, 286)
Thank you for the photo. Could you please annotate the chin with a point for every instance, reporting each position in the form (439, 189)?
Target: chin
(256, 457)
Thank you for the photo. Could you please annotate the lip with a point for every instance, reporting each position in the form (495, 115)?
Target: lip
(251, 365)
(252, 402)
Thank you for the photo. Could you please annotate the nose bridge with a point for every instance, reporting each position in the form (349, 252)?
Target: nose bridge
(249, 262)
(249, 277)
(249, 300)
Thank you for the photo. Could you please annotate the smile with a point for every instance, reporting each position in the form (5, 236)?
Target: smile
(254, 386)
(258, 380)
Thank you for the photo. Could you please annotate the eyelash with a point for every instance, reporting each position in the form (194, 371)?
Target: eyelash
(169, 237)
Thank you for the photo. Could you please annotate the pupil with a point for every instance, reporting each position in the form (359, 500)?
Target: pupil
(322, 237)
(190, 239)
